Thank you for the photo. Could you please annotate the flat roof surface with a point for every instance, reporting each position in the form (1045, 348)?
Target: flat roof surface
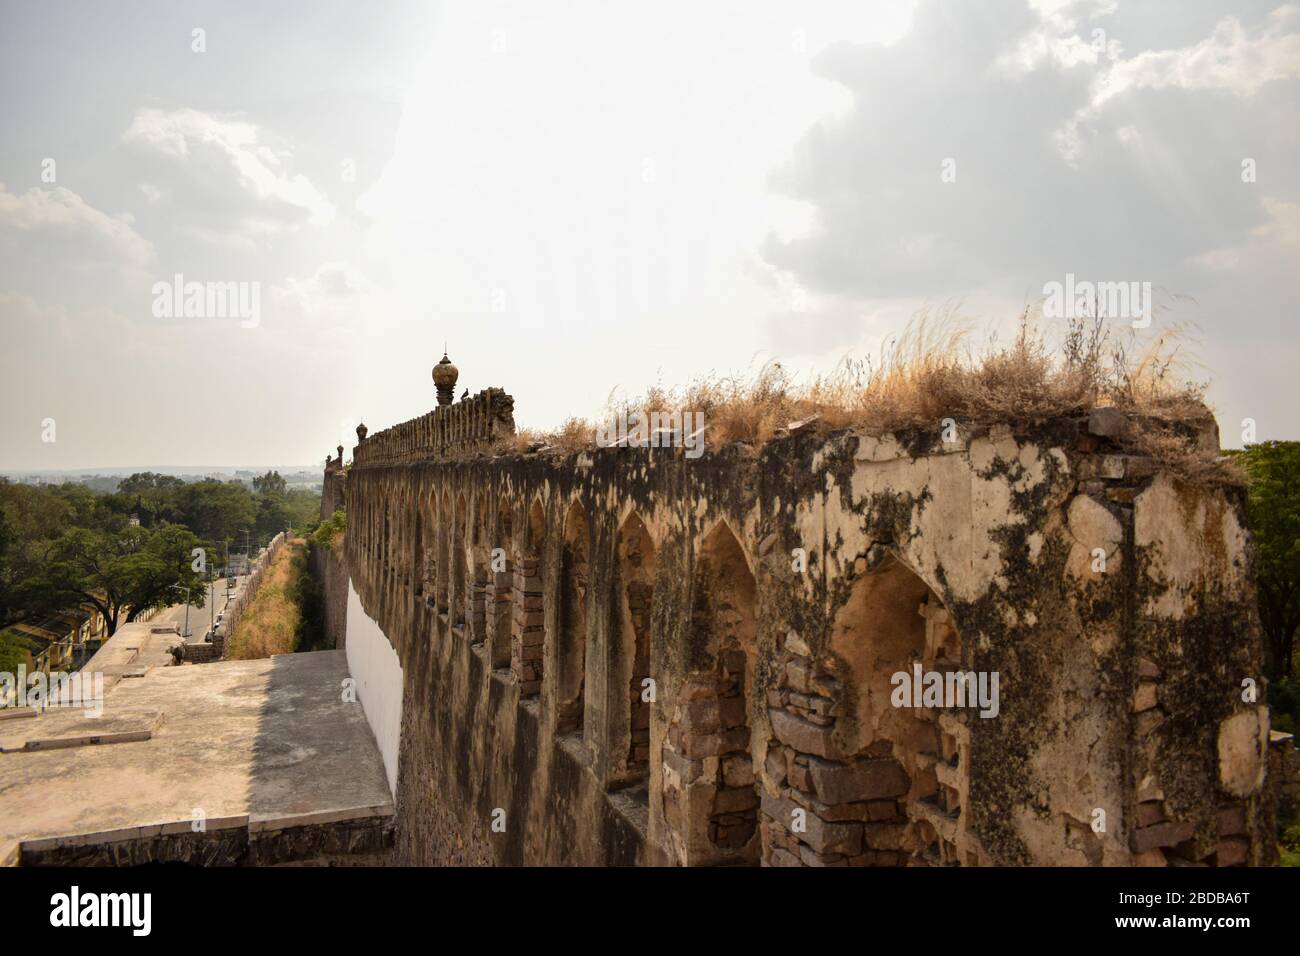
(268, 740)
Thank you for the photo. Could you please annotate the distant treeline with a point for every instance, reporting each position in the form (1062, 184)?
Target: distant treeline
(64, 546)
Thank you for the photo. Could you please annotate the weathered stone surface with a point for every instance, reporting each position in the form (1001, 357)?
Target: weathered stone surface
(1144, 697)
(735, 800)
(1107, 422)
(1093, 527)
(886, 836)
(976, 532)
(1149, 814)
(780, 809)
(1165, 834)
(1243, 749)
(738, 772)
(864, 780)
(779, 857)
(804, 736)
(828, 837)
(794, 644)
(798, 675)
(775, 767)
(1232, 820)
(1231, 851)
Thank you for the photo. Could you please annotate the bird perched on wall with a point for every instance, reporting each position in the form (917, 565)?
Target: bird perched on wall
(464, 395)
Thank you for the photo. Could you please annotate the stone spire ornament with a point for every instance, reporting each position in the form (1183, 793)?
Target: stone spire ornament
(444, 377)
(361, 432)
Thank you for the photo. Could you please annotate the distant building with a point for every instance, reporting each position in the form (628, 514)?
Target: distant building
(61, 641)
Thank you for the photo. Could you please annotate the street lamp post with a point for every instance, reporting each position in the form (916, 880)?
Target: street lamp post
(186, 632)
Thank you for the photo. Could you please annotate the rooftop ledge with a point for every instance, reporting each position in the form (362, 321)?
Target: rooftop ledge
(265, 753)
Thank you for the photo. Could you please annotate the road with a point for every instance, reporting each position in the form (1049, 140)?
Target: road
(200, 617)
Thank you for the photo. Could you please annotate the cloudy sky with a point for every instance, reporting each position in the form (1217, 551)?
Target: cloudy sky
(586, 196)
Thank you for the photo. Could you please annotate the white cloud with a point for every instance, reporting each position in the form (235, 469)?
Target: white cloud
(1160, 197)
(229, 176)
(582, 176)
(1055, 41)
(1130, 136)
(329, 285)
(1275, 242)
(1232, 59)
(60, 212)
(335, 302)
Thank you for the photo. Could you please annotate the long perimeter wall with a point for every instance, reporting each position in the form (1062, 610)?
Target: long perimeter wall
(630, 657)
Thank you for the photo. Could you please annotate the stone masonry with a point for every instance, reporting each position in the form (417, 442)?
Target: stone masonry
(639, 658)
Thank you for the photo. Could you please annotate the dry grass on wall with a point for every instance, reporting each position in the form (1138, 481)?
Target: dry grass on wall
(931, 372)
(269, 624)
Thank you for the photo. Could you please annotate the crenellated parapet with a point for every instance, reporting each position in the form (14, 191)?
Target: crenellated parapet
(471, 424)
(334, 490)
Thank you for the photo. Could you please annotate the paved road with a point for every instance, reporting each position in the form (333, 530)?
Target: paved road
(200, 617)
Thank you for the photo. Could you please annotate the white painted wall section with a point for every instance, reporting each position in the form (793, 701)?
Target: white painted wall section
(374, 665)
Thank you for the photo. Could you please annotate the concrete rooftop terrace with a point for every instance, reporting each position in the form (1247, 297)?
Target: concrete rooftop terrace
(280, 767)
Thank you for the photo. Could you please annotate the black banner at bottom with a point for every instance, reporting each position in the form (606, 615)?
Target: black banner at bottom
(341, 906)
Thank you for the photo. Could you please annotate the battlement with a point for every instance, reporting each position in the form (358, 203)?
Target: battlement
(470, 424)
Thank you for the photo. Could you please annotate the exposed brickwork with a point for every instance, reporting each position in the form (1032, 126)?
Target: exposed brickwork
(527, 636)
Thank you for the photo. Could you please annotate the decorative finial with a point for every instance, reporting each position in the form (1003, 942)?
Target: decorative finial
(361, 433)
(444, 378)
(340, 451)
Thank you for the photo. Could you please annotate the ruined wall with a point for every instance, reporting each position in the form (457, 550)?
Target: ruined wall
(629, 657)
(329, 567)
(334, 488)
(235, 608)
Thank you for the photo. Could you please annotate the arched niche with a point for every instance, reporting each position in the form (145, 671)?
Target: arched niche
(571, 650)
(636, 575)
(711, 797)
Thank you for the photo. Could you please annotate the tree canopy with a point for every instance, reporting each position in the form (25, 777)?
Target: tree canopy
(125, 571)
(64, 545)
(1273, 509)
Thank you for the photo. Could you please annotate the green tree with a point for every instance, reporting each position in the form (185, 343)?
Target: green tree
(151, 497)
(272, 513)
(270, 484)
(122, 573)
(303, 507)
(1273, 509)
(61, 543)
(14, 653)
(33, 518)
(272, 517)
(144, 482)
(331, 531)
(217, 510)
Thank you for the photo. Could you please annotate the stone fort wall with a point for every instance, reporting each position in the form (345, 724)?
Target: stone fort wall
(625, 656)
